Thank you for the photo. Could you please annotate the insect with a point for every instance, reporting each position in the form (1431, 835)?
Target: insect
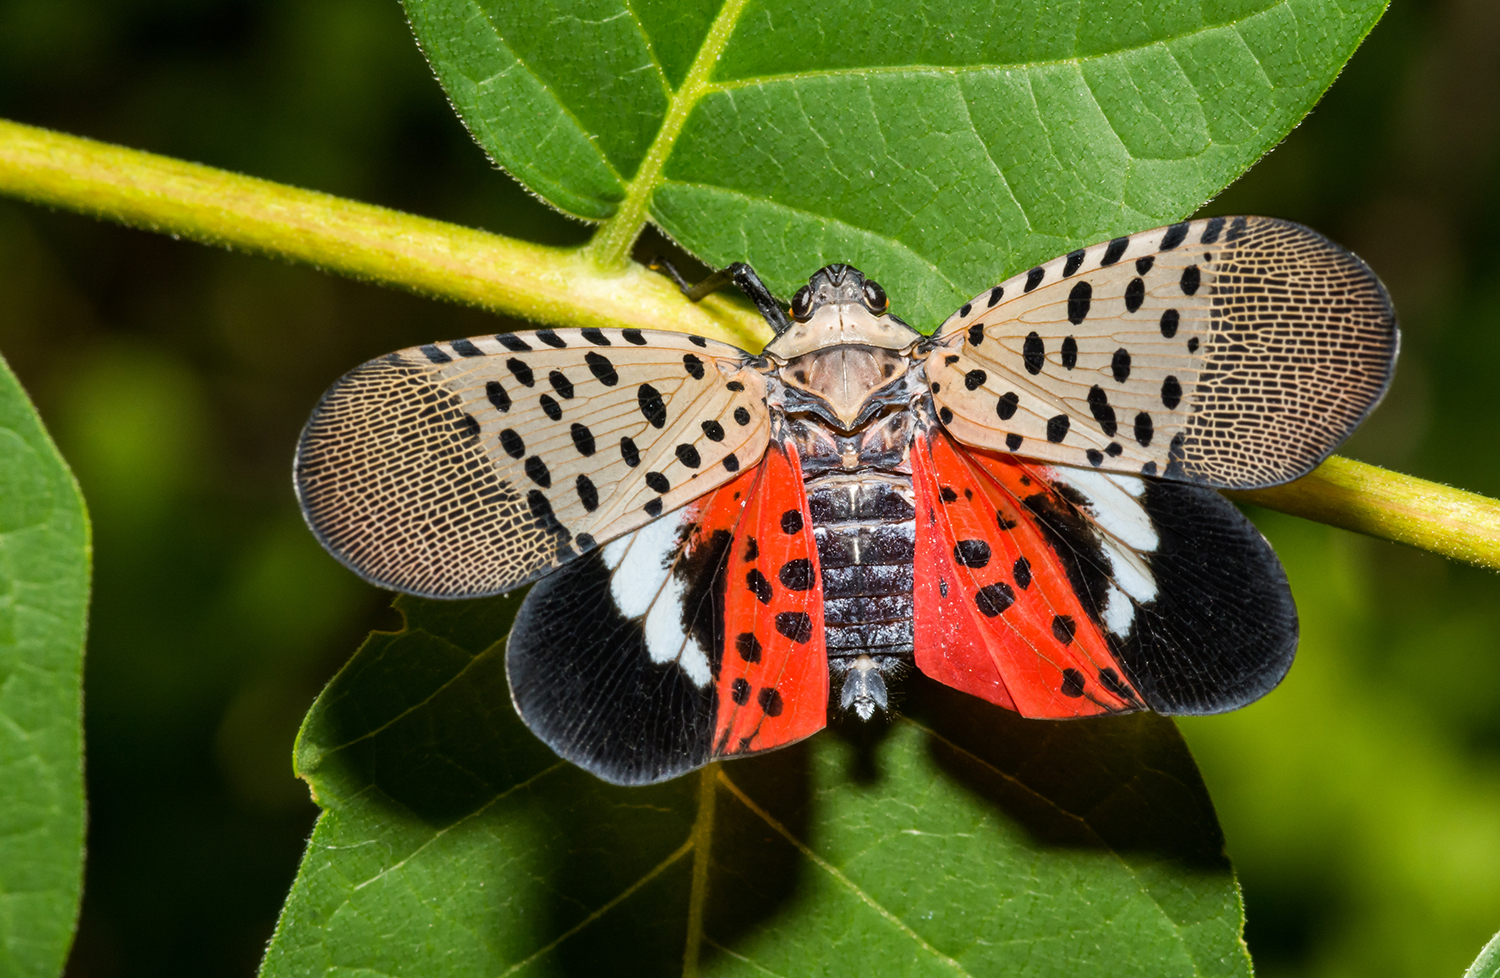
(728, 546)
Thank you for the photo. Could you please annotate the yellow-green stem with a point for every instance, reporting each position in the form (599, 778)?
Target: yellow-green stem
(566, 287)
(561, 286)
(1392, 506)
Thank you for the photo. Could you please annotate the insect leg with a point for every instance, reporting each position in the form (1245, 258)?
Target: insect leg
(738, 274)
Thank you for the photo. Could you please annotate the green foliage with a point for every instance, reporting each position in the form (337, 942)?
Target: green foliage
(938, 146)
(962, 839)
(44, 589)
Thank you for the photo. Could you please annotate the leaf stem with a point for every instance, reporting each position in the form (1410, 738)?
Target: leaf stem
(1355, 496)
(563, 286)
(560, 286)
(610, 247)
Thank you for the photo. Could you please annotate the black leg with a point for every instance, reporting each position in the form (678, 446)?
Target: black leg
(738, 274)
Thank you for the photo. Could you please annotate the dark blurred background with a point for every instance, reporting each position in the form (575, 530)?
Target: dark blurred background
(1361, 802)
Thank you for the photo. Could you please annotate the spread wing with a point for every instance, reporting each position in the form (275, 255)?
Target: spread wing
(697, 636)
(1230, 352)
(1061, 592)
(467, 468)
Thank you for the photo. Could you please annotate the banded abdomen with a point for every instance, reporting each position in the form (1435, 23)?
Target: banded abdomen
(864, 524)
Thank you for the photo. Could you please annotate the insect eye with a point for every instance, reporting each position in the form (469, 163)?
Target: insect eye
(875, 297)
(802, 303)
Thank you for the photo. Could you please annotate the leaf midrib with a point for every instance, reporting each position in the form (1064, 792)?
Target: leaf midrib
(610, 247)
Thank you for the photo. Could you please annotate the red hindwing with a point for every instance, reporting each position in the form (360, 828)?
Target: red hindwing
(995, 613)
(773, 673)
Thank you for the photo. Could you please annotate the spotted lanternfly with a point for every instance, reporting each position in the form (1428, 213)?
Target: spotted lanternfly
(726, 546)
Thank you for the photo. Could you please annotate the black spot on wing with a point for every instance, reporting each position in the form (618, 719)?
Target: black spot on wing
(521, 371)
(497, 395)
(1171, 392)
(795, 625)
(797, 575)
(1033, 353)
(1169, 322)
(588, 494)
(583, 439)
(1104, 414)
(1079, 301)
(993, 599)
(602, 368)
(653, 408)
(537, 471)
(971, 553)
(757, 584)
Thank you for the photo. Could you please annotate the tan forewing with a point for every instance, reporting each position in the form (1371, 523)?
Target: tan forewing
(1232, 352)
(467, 468)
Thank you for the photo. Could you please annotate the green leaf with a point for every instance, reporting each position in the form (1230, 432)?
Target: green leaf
(939, 146)
(1487, 965)
(44, 593)
(959, 840)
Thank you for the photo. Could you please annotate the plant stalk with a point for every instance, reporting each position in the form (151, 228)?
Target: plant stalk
(555, 286)
(1380, 503)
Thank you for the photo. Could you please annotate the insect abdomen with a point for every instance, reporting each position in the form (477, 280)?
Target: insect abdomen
(866, 533)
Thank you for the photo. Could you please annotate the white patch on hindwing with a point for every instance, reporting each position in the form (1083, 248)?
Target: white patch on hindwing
(1124, 534)
(643, 585)
(1113, 505)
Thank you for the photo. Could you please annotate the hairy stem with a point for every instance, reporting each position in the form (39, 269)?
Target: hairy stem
(1349, 494)
(559, 286)
(566, 287)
